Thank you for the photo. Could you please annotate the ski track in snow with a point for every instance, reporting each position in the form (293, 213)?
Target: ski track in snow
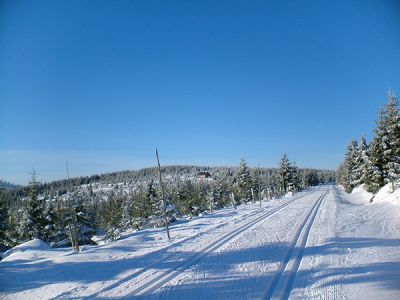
(158, 279)
(163, 256)
(318, 244)
(239, 243)
(353, 252)
(314, 253)
(281, 285)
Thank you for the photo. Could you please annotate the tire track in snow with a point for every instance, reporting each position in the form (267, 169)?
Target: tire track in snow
(162, 277)
(282, 283)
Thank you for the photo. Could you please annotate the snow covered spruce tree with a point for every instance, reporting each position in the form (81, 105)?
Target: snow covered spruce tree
(113, 216)
(309, 177)
(358, 166)
(154, 206)
(391, 159)
(32, 222)
(362, 164)
(289, 178)
(342, 175)
(153, 203)
(295, 182)
(3, 224)
(352, 159)
(284, 173)
(135, 209)
(385, 148)
(368, 170)
(190, 199)
(244, 182)
(257, 185)
(378, 163)
(50, 228)
(80, 220)
(222, 191)
(127, 212)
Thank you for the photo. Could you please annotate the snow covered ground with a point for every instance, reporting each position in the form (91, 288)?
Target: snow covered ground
(318, 244)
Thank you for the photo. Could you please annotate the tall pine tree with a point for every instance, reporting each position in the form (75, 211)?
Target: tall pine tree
(3, 223)
(385, 148)
(284, 173)
(352, 158)
(244, 182)
(391, 163)
(32, 221)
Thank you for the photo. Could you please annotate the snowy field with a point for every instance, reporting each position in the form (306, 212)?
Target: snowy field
(318, 244)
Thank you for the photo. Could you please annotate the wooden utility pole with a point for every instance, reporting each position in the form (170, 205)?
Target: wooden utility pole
(162, 196)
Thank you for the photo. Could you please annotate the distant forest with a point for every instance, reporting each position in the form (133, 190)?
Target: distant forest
(104, 205)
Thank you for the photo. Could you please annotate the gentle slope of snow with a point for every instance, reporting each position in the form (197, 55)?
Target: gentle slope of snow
(28, 251)
(386, 194)
(318, 244)
(360, 196)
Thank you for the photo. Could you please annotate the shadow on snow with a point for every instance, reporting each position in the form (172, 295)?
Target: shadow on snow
(25, 276)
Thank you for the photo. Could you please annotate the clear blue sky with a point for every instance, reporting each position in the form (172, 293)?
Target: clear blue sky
(102, 83)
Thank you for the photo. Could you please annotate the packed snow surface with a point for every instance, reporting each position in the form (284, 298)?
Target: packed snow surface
(317, 244)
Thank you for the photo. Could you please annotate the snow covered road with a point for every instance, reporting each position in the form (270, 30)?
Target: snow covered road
(317, 244)
(249, 265)
(353, 251)
(190, 260)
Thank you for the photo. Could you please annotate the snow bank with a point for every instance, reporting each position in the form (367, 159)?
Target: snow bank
(288, 195)
(30, 250)
(385, 194)
(360, 196)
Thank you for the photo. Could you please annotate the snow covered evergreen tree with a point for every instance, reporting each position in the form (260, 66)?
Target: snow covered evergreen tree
(357, 171)
(127, 211)
(309, 177)
(50, 229)
(378, 163)
(190, 199)
(113, 217)
(257, 185)
(32, 221)
(3, 223)
(369, 172)
(351, 161)
(222, 192)
(384, 150)
(138, 209)
(375, 174)
(342, 176)
(80, 218)
(391, 161)
(180, 198)
(295, 181)
(153, 207)
(285, 169)
(363, 158)
(244, 182)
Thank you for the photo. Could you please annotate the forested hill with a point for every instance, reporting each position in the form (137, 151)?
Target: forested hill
(172, 174)
(113, 202)
(4, 185)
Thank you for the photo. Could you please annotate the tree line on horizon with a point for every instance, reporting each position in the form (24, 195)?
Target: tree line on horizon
(377, 163)
(77, 209)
